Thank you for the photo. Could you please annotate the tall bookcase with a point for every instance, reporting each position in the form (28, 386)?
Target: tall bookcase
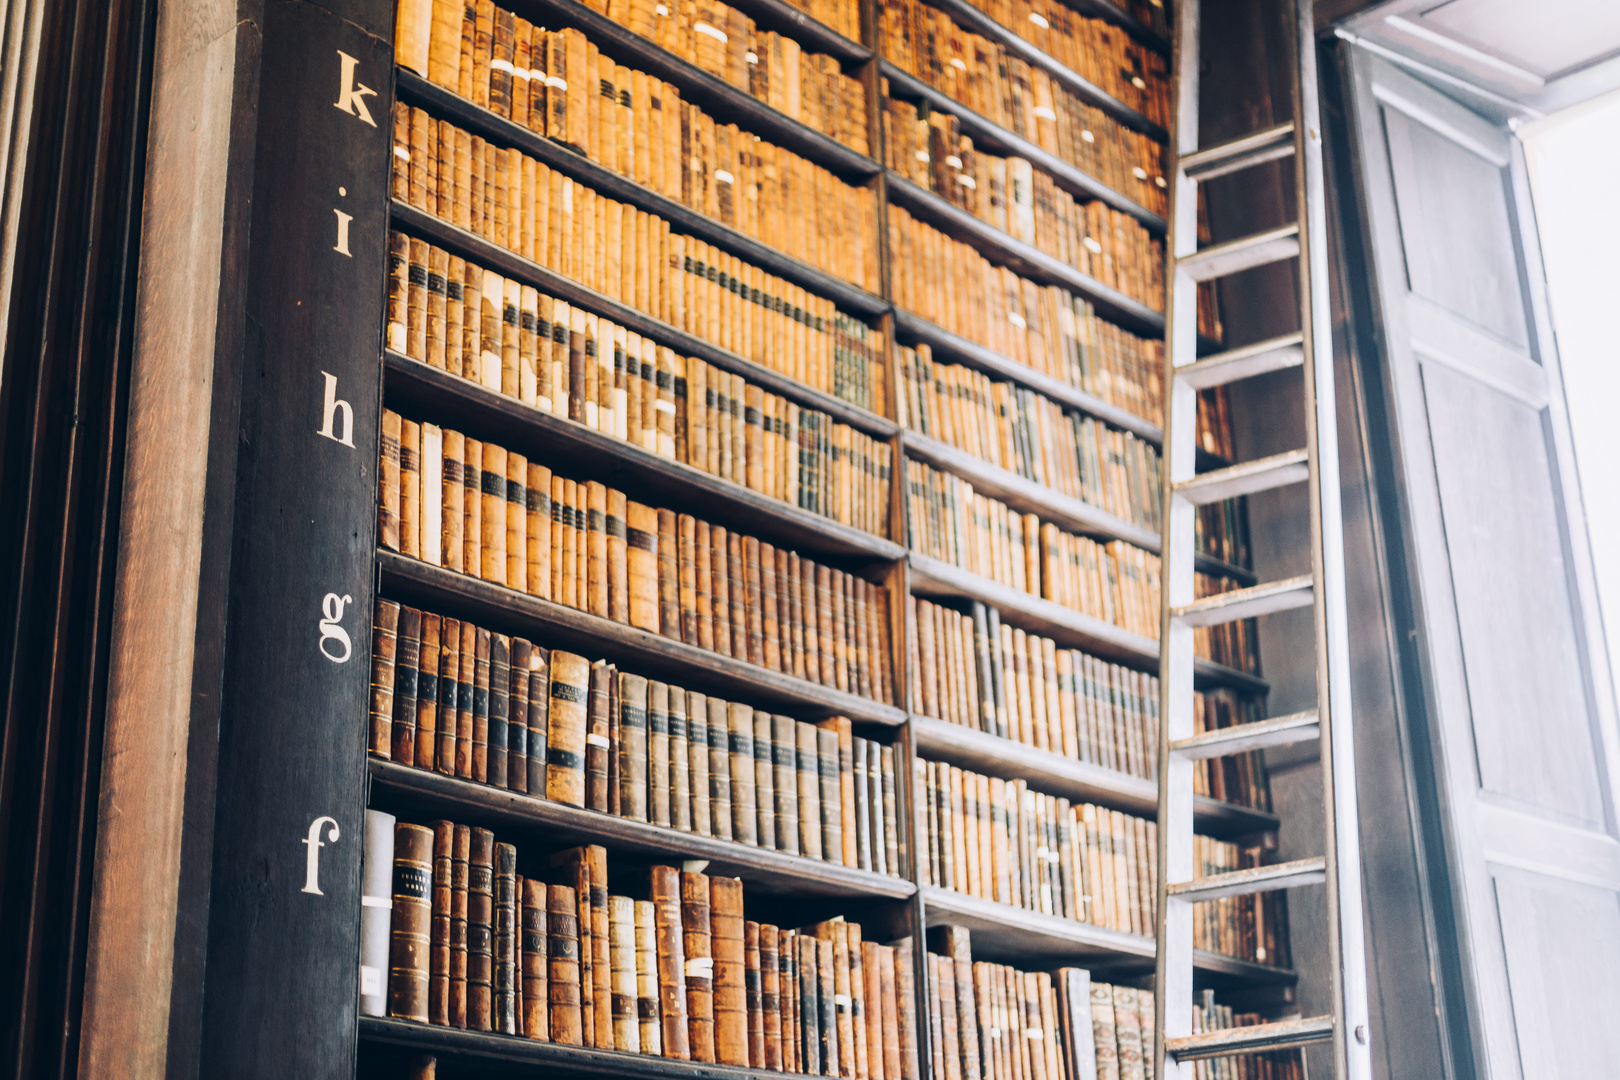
(295, 777)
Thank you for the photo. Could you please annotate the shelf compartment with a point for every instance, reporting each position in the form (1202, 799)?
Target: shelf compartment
(988, 135)
(1023, 259)
(1027, 496)
(951, 347)
(971, 18)
(1006, 932)
(767, 871)
(416, 90)
(1069, 628)
(442, 397)
(557, 626)
(727, 103)
(509, 264)
(810, 33)
(1055, 774)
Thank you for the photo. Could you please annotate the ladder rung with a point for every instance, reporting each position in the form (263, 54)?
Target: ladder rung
(1247, 603)
(1251, 1039)
(1235, 365)
(1258, 879)
(1241, 738)
(1228, 157)
(1263, 474)
(1246, 253)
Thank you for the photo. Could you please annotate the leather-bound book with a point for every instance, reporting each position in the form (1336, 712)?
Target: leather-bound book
(537, 540)
(680, 762)
(740, 599)
(492, 513)
(936, 1035)
(500, 700)
(873, 1006)
(755, 606)
(809, 781)
(409, 929)
(686, 576)
(633, 715)
(817, 1028)
(719, 726)
(943, 1000)
(844, 850)
(862, 823)
(785, 783)
(597, 549)
(384, 655)
(770, 624)
(504, 974)
(472, 506)
(427, 693)
(517, 734)
(376, 905)
(565, 743)
(480, 706)
(832, 836)
(452, 501)
(697, 743)
(460, 858)
(657, 789)
(516, 518)
(595, 857)
(648, 1020)
(388, 483)
(787, 962)
(744, 826)
(703, 577)
(669, 578)
(699, 966)
(754, 987)
(642, 565)
(905, 993)
(669, 935)
(467, 698)
(534, 943)
(564, 991)
(893, 1051)
(720, 590)
(764, 783)
(408, 660)
(444, 846)
(449, 695)
(480, 930)
(539, 718)
(857, 998)
(959, 949)
(622, 959)
(410, 461)
(892, 842)
(770, 997)
(615, 712)
(730, 968)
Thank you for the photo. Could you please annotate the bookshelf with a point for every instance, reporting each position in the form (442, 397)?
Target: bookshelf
(791, 889)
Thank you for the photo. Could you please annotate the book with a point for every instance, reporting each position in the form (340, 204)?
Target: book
(669, 930)
(480, 930)
(376, 892)
(729, 985)
(409, 923)
(698, 965)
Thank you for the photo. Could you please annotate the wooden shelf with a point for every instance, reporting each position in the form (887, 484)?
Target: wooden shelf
(954, 348)
(727, 103)
(812, 34)
(557, 825)
(1069, 628)
(416, 90)
(1023, 259)
(992, 137)
(1004, 932)
(434, 394)
(1027, 496)
(645, 653)
(971, 18)
(485, 1054)
(1111, 12)
(1055, 774)
(510, 264)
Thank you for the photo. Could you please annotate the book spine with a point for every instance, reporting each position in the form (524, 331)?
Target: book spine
(499, 693)
(409, 929)
(730, 964)
(595, 857)
(809, 781)
(384, 676)
(460, 874)
(719, 728)
(480, 930)
(535, 944)
(832, 833)
(564, 988)
(753, 985)
(648, 1019)
(669, 932)
(504, 974)
(740, 746)
(764, 783)
(376, 904)
(633, 717)
(770, 996)
(658, 777)
(680, 764)
(699, 965)
(566, 727)
(622, 952)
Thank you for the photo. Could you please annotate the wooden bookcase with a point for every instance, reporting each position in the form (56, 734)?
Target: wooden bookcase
(294, 773)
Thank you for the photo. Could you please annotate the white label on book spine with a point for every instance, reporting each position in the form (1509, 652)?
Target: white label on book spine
(700, 967)
(593, 739)
(371, 980)
(705, 28)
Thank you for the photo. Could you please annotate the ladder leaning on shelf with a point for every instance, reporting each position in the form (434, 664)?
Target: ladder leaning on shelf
(1317, 465)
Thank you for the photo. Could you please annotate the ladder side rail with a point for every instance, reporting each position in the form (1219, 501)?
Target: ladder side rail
(1341, 846)
(1173, 985)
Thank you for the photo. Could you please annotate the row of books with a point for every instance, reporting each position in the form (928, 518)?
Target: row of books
(549, 82)
(515, 523)
(969, 668)
(723, 41)
(998, 840)
(1207, 1016)
(634, 257)
(952, 285)
(1015, 428)
(676, 971)
(1098, 51)
(461, 700)
(514, 340)
(926, 145)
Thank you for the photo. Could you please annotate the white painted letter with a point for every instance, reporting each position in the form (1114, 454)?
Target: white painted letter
(332, 609)
(331, 407)
(312, 854)
(351, 94)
